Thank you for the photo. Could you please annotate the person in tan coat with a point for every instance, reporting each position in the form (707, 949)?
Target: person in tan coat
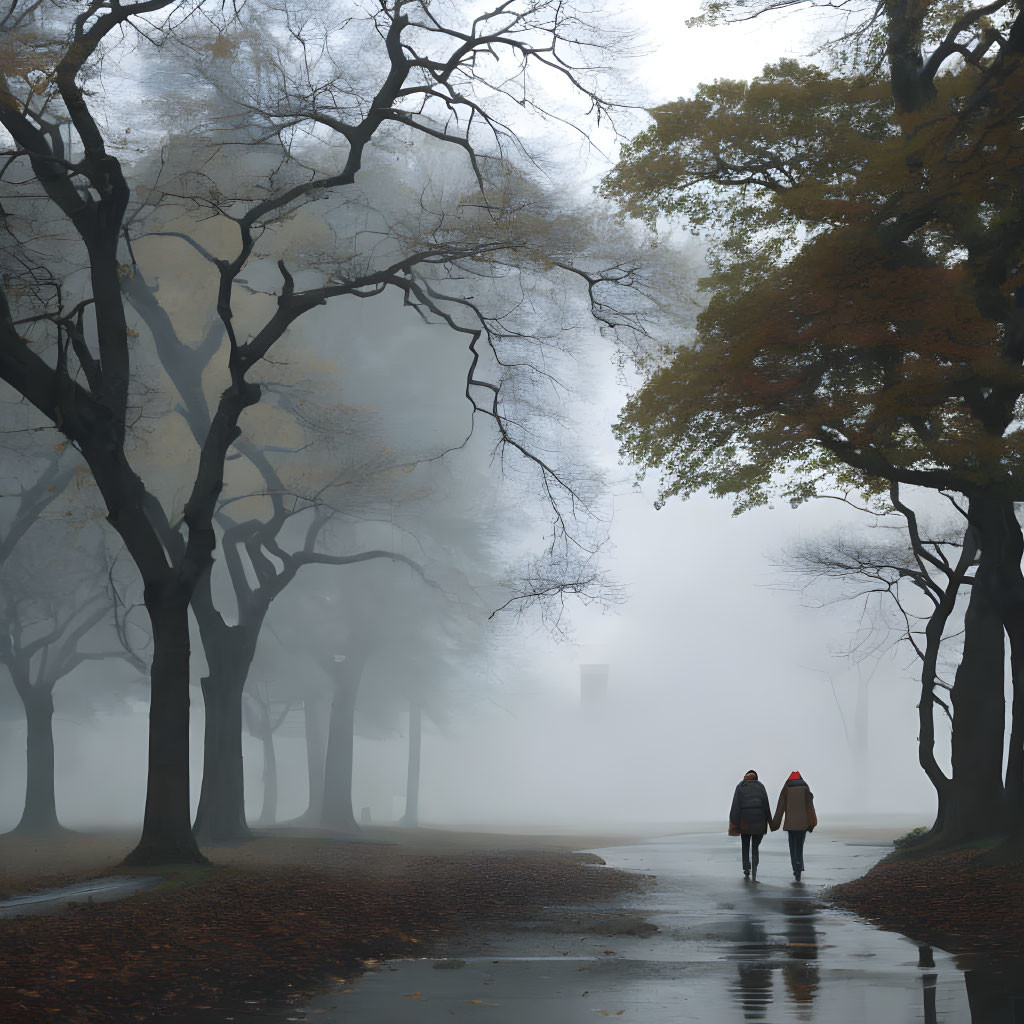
(796, 809)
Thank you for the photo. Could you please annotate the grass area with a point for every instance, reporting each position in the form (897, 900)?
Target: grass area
(277, 917)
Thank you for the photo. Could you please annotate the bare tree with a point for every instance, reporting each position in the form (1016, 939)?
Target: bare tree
(71, 352)
(53, 600)
(920, 573)
(263, 719)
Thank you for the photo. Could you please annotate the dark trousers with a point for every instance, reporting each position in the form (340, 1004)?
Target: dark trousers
(750, 843)
(796, 848)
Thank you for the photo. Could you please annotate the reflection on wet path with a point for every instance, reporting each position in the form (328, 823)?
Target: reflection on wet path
(801, 972)
(753, 989)
(926, 961)
(758, 957)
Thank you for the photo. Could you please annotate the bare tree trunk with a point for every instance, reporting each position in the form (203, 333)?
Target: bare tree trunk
(1015, 752)
(1012, 593)
(220, 816)
(39, 817)
(411, 818)
(316, 754)
(904, 31)
(926, 733)
(337, 810)
(926, 961)
(974, 808)
(167, 827)
(268, 814)
(944, 591)
(1012, 849)
(976, 805)
(929, 677)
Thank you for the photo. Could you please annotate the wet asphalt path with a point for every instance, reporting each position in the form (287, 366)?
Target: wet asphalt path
(703, 945)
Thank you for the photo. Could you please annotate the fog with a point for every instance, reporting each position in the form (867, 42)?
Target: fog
(713, 670)
(715, 663)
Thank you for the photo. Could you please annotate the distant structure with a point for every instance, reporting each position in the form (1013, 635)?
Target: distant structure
(593, 687)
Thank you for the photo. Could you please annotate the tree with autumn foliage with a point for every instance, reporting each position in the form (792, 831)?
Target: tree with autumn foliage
(861, 327)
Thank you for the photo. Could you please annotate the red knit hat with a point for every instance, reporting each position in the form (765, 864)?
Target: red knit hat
(795, 775)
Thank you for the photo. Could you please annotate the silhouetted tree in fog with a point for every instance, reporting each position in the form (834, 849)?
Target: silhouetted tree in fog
(920, 571)
(70, 345)
(263, 719)
(55, 595)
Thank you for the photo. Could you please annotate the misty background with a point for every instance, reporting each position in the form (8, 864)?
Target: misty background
(716, 664)
(703, 684)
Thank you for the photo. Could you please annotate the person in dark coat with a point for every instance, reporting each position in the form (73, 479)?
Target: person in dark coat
(749, 818)
(796, 809)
